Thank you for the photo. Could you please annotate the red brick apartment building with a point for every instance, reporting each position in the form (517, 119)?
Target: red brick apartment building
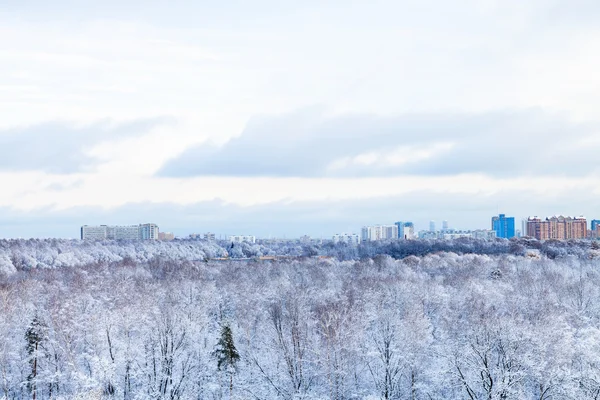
(557, 228)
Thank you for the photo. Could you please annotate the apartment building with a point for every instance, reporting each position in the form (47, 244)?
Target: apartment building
(557, 227)
(166, 236)
(242, 238)
(120, 232)
(406, 230)
(504, 226)
(350, 238)
(379, 232)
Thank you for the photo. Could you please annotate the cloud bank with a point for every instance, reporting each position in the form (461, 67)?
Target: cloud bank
(308, 143)
(58, 147)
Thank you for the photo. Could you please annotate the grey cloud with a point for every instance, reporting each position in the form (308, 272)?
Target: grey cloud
(59, 147)
(305, 143)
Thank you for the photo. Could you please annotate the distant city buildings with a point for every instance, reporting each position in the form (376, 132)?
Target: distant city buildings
(476, 234)
(242, 239)
(503, 226)
(166, 236)
(120, 232)
(451, 234)
(557, 227)
(149, 232)
(431, 226)
(428, 235)
(209, 236)
(486, 234)
(379, 232)
(350, 238)
(406, 230)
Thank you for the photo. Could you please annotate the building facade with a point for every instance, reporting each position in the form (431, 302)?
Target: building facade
(504, 226)
(557, 227)
(89, 232)
(120, 232)
(166, 236)
(406, 230)
(125, 232)
(149, 231)
(350, 238)
(379, 232)
(484, 234)
(211, 237)
(242, 238)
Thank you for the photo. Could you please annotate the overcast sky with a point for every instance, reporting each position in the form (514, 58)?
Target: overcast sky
(280, 119)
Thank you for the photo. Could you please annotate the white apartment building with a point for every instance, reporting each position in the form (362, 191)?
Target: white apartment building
(487, 234)
(350, 238)
(131, 232)
(379, 232)
(407, 231)
(120, 232)
(149, 231)
(94, 232)
(210, 236)
(242, 238)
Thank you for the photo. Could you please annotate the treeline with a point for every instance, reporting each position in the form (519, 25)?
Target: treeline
(19, 254)
(440, 326)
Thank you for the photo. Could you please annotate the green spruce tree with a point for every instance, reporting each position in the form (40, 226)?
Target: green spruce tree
(34, 337)
(227, 355)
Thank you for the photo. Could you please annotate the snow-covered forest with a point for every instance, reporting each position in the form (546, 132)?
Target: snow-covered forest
(498, 320)
(17, 255)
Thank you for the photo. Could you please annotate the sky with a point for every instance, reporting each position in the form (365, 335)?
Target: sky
(280, 119)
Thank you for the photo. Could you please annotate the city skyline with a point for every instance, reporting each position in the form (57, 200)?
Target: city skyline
(290, 119)
(389, 230)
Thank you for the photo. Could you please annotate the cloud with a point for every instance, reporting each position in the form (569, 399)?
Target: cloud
(295, 218)
(58, 147)
(308, 143)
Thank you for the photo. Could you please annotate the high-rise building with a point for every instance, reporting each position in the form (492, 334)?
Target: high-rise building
(149, 231)
(120, 232)
(595, 223)
(406, 230)
(557, 227)
(431, 226)
(399, 224)
(504, 226)
(444, 225)
(379, 232)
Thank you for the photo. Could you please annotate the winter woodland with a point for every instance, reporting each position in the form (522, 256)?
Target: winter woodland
(412, 320)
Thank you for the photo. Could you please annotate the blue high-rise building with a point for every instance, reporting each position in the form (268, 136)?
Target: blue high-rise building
(399, 224)
(406, 230)
(504, 226)
(595, 224)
